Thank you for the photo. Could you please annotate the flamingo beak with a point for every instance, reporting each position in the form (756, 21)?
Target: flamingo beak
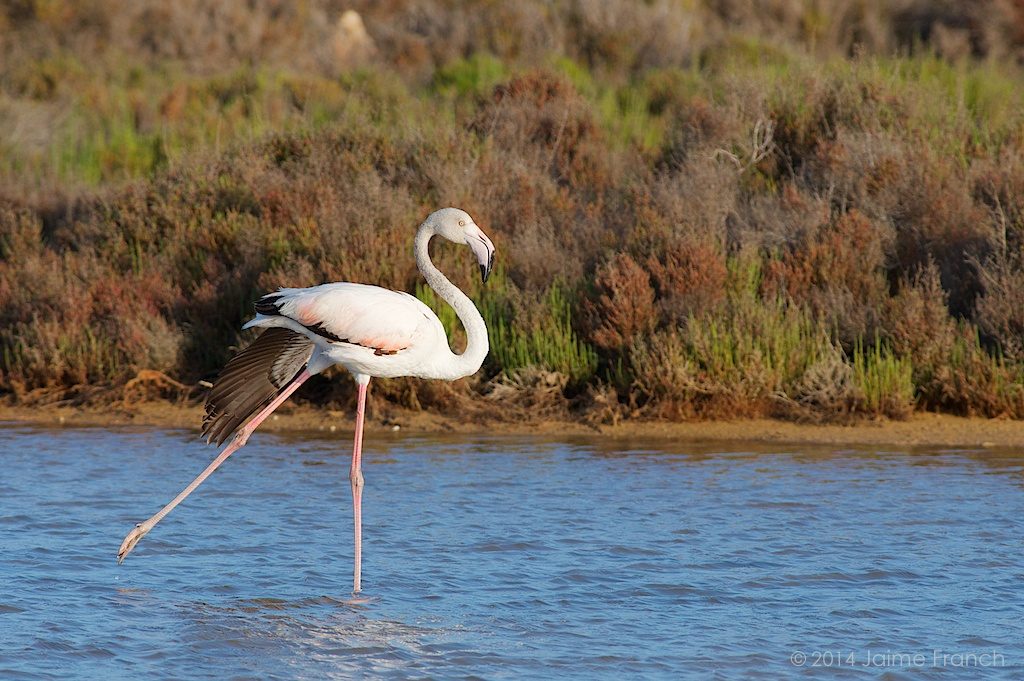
(485, 270)
(484, 251)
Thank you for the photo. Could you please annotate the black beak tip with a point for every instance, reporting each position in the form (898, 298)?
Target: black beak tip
(485, 270)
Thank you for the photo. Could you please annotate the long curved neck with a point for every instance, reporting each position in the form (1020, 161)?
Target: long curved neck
(476, 331)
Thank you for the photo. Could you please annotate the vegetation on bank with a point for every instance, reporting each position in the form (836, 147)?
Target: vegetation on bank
(704, 222)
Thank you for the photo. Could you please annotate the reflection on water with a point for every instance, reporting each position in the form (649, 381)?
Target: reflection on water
(506, 558)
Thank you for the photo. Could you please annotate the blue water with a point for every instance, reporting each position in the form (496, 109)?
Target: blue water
(507, 558)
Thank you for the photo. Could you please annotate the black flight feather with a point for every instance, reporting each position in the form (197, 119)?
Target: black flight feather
(252, 379)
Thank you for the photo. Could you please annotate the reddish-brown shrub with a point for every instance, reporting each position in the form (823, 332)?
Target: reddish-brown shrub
(998, 185)
(1000, 309)
(839, 271)
(689, 278)
(916, 320)
(622, 305)
(922, 198)
(67, 320)
(543, 112)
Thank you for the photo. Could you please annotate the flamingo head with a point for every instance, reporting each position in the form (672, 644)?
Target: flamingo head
(458, 227)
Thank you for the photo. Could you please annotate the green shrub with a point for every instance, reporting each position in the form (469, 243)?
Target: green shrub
(883, 381)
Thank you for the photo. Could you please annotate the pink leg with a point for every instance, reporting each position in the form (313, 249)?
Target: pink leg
(356, 477)
(237, 443)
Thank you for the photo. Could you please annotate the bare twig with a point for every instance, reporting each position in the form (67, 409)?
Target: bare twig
(762, 144)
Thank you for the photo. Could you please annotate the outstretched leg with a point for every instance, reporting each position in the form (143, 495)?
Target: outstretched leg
(356, 477)
(237, 443)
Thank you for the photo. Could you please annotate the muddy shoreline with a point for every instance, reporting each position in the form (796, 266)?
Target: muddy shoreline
(922, 429)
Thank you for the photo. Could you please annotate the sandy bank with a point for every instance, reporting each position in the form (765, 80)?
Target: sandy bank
(921, 429)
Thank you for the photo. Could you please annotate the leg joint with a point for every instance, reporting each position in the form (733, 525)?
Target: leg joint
(242, 437)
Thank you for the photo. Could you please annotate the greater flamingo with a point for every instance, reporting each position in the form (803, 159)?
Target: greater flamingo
(371, 331)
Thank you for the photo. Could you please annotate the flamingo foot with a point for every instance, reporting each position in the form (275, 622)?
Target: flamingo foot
(137, 533)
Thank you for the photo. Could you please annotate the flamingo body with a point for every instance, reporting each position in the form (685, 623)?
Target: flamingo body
(369, 330)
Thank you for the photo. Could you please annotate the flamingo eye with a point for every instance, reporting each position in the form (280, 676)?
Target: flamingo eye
(462, 223)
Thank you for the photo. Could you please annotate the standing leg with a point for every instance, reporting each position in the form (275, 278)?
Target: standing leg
(237, 443)
(356, 477)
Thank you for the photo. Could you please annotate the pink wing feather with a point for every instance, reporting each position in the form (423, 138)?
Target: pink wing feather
(374, 317)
